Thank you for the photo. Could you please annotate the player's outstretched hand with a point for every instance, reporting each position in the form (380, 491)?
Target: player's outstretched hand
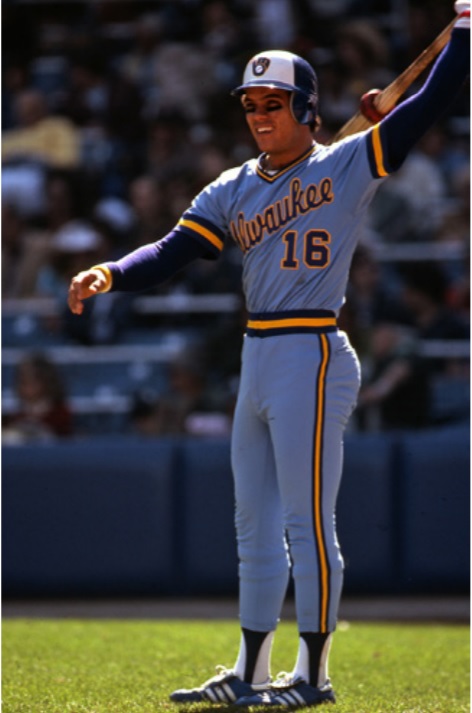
(85, 284)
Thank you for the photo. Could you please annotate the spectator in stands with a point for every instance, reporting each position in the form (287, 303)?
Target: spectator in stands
(38, 142)
(42, 411)
(425, 21)
(454, 234)
(144, 415)
(139, 64)
(338, 104)
(455, 222)
(15, 78)
(222, 348)
(40, 136)
(147, 200)
(424, 294)
(445, 147)
(275, 23)
(62, 200)
(410, 206)
(115, 219)
(167, 147)
(459, 292)
(188, 407)
(184, 79)
(73, 245)
(396, 391)
(100, 97)
(107, 109)
(371, 297)
(363, 51)
(27, 245)
(225, 36)
(211, 160)
(363, 57)
(24, 251)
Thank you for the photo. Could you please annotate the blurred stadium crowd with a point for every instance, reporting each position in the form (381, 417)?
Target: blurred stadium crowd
(115, 114)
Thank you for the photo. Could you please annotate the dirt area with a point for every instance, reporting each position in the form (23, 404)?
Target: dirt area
(421, 609)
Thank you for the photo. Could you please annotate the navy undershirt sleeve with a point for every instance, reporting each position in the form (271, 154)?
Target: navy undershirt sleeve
(407, 123)
(154, 263)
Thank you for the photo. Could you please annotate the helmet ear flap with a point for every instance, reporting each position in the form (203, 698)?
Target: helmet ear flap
(302, 108)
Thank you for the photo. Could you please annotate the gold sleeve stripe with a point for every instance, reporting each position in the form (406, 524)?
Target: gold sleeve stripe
(109, 278)
(204, 232)
(378, 151)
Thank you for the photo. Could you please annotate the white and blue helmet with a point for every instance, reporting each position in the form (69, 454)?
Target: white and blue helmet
(284, 70)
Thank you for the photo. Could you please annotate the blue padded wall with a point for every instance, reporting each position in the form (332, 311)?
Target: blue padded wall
(119, 516)
(209, 538)
(436, 510)
(88, 518)
(366, 514)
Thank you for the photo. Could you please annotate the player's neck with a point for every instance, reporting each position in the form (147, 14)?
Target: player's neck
(273, 162)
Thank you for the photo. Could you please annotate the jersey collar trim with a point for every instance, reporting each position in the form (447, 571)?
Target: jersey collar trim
(270, 178)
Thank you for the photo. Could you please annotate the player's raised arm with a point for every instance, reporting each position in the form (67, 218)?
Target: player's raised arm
(406, 124)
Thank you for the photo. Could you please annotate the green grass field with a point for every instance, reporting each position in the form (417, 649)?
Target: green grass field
(91, 666)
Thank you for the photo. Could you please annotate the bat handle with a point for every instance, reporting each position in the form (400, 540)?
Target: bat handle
(355, 125)
(387, 99)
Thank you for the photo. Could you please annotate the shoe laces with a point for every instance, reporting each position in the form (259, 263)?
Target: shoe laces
(285, 680)
(221, 673)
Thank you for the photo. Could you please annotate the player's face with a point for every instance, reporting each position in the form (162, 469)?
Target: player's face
(273, 127)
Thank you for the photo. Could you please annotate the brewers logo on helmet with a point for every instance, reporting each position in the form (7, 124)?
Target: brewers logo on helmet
(284, 70)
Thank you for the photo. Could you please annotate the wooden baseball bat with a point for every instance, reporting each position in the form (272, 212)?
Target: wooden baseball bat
(388, 98)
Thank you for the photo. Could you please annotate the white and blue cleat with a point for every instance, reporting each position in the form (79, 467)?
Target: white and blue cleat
(225, 687)
(288, 692)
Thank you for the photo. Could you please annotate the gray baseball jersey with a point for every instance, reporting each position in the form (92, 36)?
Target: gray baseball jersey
(296, 229)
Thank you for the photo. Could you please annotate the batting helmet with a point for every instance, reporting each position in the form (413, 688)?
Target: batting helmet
(284, 70)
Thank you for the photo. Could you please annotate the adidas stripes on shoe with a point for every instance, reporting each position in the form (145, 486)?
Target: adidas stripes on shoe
(225, 687)
(287, 692)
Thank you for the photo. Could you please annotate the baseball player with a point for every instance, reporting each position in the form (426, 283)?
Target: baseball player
(295, 212)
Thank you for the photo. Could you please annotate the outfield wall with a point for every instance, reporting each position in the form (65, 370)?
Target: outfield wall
(123, 516)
